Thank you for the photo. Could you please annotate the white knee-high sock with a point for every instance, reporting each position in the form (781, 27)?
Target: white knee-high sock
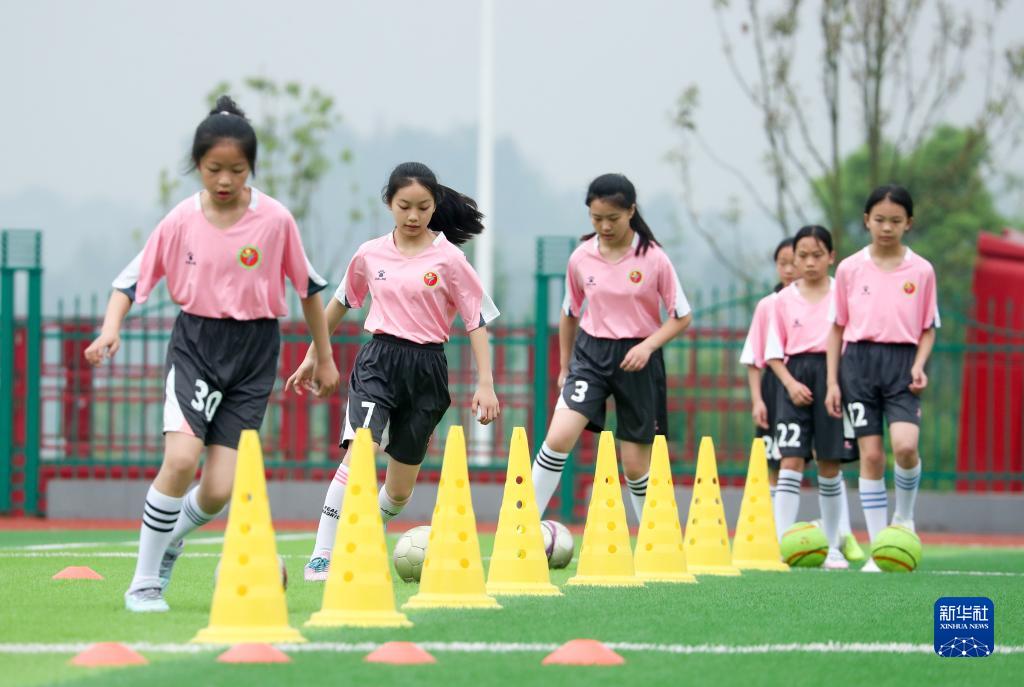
(328, 528)
(907, 481)
(192, 516)
(830, 493)
(637, 493)
(159, 516)
(844, 511)
(787, 500)
(547, 471)
(389, 507)
(875, 502)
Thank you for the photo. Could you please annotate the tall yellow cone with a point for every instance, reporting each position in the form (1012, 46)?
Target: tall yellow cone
(453, 572)
(358, 592)
(707, 537)
(519, 566)
(605, 557)
(659, 544)
(248, 601)
(756, 546)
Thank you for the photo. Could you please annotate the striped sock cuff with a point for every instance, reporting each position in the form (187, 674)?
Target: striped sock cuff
(159, 519)
(870, 500)
(341, 476)
(789, 482)
(638, 486)
(908, 478)
(551, 460)
(190, 509)
(830, 487)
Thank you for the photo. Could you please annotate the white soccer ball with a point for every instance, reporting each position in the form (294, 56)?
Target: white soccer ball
(558, 543)
(280, 560)
(410, 551)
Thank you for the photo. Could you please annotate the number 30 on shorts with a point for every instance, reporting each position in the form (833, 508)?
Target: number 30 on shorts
(206, 401)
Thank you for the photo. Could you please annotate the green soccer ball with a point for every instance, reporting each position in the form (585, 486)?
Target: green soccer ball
(896, 549)
(804, 546)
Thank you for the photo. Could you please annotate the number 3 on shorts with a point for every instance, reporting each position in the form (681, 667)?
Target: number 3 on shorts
(581, 391)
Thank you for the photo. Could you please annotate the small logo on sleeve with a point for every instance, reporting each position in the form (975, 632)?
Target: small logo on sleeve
(430, 279)
(250, 257)
(381, 276)
(190, 258)
(636, 276)
(591, 281)
(964, 627)
(909, 287)
(865, 290)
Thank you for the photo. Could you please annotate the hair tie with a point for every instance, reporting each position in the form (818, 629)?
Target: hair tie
(225, 112)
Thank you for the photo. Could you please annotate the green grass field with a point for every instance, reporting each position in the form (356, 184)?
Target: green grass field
(677, 623)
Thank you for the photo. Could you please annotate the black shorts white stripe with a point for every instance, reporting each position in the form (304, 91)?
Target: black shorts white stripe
(640, 396)
(219, 375)
(399, 390)
(809, 431)
(875, 380)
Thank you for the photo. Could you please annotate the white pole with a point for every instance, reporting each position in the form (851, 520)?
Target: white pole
(484, 244)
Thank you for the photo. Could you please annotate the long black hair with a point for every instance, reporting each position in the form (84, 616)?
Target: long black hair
(618, 190)
(816, 232)
(455, 214)
(226, 120)
(896, 194)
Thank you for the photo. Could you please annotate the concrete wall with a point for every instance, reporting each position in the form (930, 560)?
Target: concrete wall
(936, 512)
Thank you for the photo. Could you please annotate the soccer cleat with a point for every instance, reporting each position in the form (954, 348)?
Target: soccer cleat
(316, 569)
(851, 549)
(835, 560)
(906, 524)
(871, 567)
(168, 561)
(148, 600)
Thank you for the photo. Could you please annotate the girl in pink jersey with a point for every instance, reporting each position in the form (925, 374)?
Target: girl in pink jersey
(762, 382)
(804, 430)
(613, 347)
(885, 317)
(418, 281)
(225, 253)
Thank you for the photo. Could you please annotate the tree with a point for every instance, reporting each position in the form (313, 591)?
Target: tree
(870, 50)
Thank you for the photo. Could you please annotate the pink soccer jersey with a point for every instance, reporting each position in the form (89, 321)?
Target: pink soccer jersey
(885, 307)
(235, 273)
(415, 298)
(797, 325)
(622, 298)
(757, 336)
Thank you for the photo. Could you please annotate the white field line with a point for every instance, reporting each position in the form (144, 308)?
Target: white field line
(292, 536)
(508, 647)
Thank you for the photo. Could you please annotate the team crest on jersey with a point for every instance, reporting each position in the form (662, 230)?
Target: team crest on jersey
(250, 257)
(909, 287)
(636, 276)
(430, 279)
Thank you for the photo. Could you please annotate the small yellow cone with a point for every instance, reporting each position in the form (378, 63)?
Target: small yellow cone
(453, 571)
(707, 537)
(659, 544)
(519, 566)
(756, 546)
(248, 601)
(358, 592)
(605, 556)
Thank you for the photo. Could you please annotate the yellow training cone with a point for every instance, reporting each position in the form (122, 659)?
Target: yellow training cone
(518, 563)
(248, 601)
(453, 572)
(605, 557)
(756, 546)
(659, 544)
(707, 537)
(358, 592)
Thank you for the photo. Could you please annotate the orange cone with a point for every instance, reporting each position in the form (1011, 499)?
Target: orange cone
(108, 654)
(253, 653)
(400, 653)
(583, 652)
(77, 572)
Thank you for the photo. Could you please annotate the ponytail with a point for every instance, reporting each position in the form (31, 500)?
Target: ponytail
(618, 190)
(455, 214)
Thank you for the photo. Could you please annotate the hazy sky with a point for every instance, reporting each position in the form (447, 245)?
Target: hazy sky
(97, 96)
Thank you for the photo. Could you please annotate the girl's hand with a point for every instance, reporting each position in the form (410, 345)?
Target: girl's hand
(637, 357)
(302, 378)
(562, 375)
(760, 414)
(325, 378)
(105, 346)
(485, 405)
(919, 380)
(834, 401)
(800, 394)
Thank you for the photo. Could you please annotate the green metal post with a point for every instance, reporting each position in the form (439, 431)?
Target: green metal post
(33, 408)
(6, 383)
(540, 356)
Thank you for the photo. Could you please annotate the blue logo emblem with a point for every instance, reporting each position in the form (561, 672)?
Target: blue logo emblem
(964, 627)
